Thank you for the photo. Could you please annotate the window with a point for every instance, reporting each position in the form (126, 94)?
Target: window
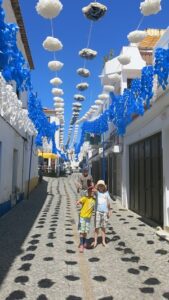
(18, 93)
(129, 82)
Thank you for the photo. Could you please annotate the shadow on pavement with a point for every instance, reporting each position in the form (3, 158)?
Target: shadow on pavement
(16, 225)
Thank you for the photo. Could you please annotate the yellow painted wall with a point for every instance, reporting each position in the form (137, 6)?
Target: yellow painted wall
(33, 183)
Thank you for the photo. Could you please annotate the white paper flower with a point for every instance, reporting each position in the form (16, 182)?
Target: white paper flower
(58, 99)
(94, 107)
(115, 78)
(56, 81)
(108, 88)
(94, 11)
(52, 44)
(49, 8)
(103, 96)
(136, 36)
(150, 7)
(77, 104)
(59, 104)
(79, 97)
(99, 102)
(87, 53)
(57, 92)
(82, 86)
(59, 109)
(124, 59)
(83, 72)
(55, 65)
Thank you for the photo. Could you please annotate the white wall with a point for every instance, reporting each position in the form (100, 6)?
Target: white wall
(10, 140)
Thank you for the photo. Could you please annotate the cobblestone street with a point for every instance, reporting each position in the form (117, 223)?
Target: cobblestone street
(40, 258)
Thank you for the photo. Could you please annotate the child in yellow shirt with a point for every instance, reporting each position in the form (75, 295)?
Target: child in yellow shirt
(88, 204)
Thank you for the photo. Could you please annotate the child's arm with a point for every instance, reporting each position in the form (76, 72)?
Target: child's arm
(108, 204)
(80, 201)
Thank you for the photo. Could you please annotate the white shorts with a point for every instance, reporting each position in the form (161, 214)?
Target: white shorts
(101, 219)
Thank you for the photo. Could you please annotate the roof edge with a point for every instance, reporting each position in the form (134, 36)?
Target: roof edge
(20, 22)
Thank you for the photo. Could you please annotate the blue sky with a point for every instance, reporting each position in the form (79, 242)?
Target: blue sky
(72, 29)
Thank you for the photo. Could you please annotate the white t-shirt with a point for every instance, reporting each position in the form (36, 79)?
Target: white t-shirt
(102, 201)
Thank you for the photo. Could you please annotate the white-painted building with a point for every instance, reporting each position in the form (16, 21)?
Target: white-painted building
(139, 173)
(145, 162)
(107, 164)
(18, 157)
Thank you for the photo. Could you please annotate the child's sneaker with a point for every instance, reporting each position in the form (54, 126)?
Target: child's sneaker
(81, 249)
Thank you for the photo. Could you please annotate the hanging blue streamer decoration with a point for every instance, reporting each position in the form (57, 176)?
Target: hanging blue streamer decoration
(12, 63)
(133, 102)
(14, 67)
(147, 77)
(39, 119)
(161, 68)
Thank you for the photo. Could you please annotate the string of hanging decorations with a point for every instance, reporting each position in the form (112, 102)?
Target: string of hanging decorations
(93, 12)
(50, 9)
(134, 100)
(11, 109)
(13, 67)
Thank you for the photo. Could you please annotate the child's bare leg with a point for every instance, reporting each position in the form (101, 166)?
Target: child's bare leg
(81, 242)
(103, 236)
(85, 240)
(95, 236)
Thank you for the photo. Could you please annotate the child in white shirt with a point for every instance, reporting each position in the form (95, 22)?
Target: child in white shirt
(102, 211)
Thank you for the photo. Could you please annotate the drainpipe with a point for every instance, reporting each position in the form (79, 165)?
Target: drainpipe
(30, 168)
(103, 160)
(23, 164)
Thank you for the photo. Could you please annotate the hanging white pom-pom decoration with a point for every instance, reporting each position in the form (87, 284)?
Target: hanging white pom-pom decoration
(87, 53)
(99, 102)
(79, 97)
(94, 107)
(56, 81)
(59, 104)
(150, 7)
(52, 44)
(103, 96)
(108, 88)
(58, 99)
(115, 78)
(94, 11)
(124, 59)
(77, 104)
(57, 92)
(59, 109)
(82, 86)
(83, 72)
(55, 65)
(136, 36)
(49, 8)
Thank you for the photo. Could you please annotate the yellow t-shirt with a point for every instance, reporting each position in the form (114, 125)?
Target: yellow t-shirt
(88, 204)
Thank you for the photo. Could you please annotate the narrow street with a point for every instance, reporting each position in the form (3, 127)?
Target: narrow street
(40, 257)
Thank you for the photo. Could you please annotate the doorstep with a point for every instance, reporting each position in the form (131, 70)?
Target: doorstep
(163, 234)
